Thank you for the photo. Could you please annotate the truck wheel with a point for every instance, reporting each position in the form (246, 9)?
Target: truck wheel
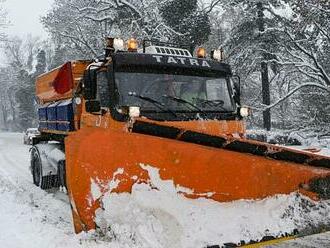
(44, 182)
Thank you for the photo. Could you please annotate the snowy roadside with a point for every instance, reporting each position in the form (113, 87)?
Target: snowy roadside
(30, 217)
(302, 138)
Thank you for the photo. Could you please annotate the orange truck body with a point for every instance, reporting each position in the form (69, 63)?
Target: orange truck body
(69, 74)
(100, 145)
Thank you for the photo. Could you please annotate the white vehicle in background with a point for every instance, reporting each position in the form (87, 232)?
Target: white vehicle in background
(29, 134)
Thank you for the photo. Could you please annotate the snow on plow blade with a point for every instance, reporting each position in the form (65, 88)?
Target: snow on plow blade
(220, 168)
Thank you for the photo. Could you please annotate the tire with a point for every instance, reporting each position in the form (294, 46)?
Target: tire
(44, 182)
(61, 174)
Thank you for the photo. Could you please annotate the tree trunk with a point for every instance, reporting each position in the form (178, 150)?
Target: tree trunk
(265, 95)
(264, 73)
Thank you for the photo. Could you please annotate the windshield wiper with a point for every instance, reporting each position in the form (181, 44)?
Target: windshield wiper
(180, 100)
(212, 103)
(154, 102)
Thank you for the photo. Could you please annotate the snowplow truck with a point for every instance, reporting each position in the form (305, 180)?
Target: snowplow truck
(102, 121)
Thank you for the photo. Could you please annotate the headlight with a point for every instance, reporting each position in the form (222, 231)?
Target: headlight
(118, 44)
(218, 54)
(77, 100)
(134, 112)
(245, 111)
(115, 43)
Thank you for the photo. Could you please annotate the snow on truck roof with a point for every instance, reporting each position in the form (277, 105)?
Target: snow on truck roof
(167, 51)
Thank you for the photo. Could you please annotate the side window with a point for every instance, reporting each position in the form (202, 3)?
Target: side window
(217, 89)
(103, 89)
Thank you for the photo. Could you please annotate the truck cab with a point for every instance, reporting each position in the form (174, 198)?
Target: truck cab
(165, 84)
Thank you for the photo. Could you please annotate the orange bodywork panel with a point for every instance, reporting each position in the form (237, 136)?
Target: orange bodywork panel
(60, 83)
(95, 154)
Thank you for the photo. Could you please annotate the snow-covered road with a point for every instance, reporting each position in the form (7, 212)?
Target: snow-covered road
(29, 216)
(33, 218)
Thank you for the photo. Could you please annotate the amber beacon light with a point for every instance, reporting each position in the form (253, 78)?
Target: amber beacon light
(201, 52)
(132, 45)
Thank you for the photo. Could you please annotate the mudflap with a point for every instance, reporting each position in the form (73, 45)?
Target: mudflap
(114, 161)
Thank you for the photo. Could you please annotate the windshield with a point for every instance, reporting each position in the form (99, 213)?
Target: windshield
(32, 131)
(178, 93)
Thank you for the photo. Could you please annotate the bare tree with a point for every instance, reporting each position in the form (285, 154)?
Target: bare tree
(3, 21)
(82, 25)
(17, 83)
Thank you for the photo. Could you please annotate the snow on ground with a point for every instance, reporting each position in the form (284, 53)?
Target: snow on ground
(307, 137)
(30, 217)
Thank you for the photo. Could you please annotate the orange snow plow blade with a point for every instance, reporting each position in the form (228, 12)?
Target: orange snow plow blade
(216, 167)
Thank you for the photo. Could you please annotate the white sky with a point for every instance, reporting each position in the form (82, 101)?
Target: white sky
(24, 16)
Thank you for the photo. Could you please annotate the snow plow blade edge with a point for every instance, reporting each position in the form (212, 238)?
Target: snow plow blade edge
(240, 169)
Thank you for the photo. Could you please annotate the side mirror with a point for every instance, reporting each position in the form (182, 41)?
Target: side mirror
(93, 106)
(237, 87)
(89, 89)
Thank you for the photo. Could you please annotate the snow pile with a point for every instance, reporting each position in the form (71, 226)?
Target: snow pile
(155, 215)
(32, 218)
(307, 138)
